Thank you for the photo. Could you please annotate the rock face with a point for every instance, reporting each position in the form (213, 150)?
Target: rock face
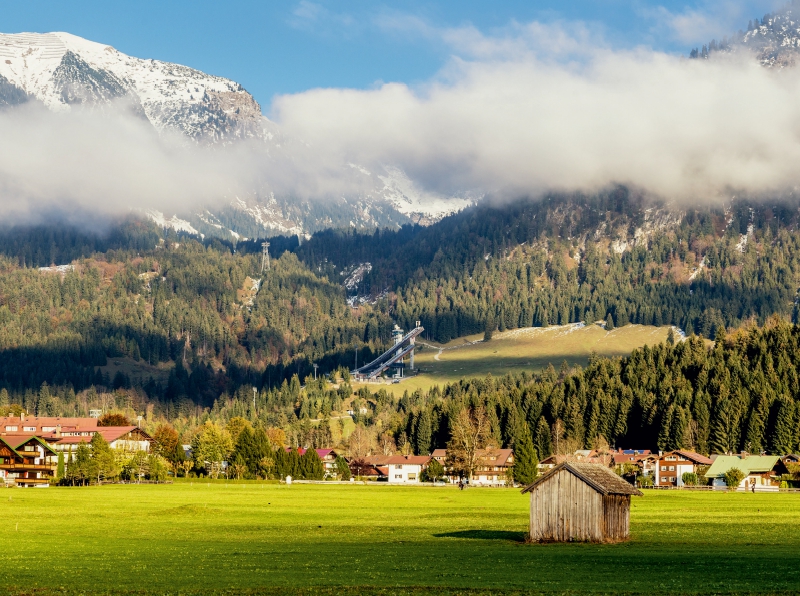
(63, 71)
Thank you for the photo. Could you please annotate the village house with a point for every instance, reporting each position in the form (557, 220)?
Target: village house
(671, 466)
(762, 472)
(124, 438)
(65, 434)
(26, 461)
(493, 466)
(398, 469)
(578, 501)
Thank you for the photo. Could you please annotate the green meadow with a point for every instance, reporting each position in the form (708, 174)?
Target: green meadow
(247, 538)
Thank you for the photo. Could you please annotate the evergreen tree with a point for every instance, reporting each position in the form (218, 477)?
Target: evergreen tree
(423, 433)
(784, 434)
(543, 439)
(311, 466)
(342, 468)
(526, 461)
(60, 469)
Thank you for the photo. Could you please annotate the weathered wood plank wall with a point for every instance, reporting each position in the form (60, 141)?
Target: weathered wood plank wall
(565, 509)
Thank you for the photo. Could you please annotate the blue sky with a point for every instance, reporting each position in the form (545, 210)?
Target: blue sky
(274, 47)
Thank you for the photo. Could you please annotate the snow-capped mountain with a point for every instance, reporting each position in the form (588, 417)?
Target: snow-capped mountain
(774, 39)
(63, 70)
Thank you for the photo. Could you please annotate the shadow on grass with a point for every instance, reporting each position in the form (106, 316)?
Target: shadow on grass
(485, 535)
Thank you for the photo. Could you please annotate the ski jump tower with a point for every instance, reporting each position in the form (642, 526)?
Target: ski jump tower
(393, 357)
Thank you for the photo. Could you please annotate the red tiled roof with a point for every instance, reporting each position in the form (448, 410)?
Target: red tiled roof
(302, 450)
(40, 421)
(15, 441)
(693, 457)
(109, 433)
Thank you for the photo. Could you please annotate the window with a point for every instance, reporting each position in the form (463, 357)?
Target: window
(48, 429)
(672, 468)
(11, 428)
(398, 467)
(412, 476)
(671, 458)
(398, 476)
(663, 468)
(29, 429)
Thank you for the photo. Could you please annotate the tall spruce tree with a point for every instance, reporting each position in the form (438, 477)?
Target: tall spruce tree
(784, 435)
(526, 461)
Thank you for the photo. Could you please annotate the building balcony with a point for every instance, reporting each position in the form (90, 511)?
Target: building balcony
(28, 467)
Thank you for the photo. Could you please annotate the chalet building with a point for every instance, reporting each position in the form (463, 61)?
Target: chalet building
(65, 434)
(581, 502)
(398, 469)
(671, 466)
(26, 461)
(493, 469)
(125, 438)
(762, 472)
(791, 459)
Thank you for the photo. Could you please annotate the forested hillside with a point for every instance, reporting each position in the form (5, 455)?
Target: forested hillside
(207, 327)
(611, 256)
(741, 394)
(201, 309)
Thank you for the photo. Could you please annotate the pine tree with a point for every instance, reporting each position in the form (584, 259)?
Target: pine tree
(784, 433)
(60, 470)
(526, 461)
(423, 433)
(311, 467)
(544, 443)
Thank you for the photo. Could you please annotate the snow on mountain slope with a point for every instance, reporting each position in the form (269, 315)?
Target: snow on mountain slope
(410, 200)
(62, 70)
(174, 222)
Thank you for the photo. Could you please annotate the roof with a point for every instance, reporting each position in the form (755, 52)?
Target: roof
(40, 421)
(385, 460)
(597, 476)
(692, 457)
(501, 456)
(109, 433)
(17, 441)
(302, 451)
(751, 464)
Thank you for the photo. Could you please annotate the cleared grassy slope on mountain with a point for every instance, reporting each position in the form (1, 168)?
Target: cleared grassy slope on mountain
(530, 349)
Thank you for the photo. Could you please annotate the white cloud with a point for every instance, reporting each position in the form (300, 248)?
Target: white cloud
(513, 119)
(526, 110)
(699, 24)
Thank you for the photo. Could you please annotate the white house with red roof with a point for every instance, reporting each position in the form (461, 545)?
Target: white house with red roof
(399, 469)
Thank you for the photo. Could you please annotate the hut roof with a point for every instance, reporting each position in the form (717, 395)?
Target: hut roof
(752, 464)
(597, 476)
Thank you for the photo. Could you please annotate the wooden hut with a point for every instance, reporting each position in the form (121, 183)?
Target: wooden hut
(580, 502)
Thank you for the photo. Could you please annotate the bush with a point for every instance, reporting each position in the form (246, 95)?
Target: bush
(733, 477)
(644, 481)
(690, 479)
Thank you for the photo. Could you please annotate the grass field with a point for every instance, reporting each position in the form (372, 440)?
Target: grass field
(269, 538)
(530, 349)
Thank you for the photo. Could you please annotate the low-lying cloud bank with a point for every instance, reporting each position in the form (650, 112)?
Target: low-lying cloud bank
(505, 117)
(677, 128)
